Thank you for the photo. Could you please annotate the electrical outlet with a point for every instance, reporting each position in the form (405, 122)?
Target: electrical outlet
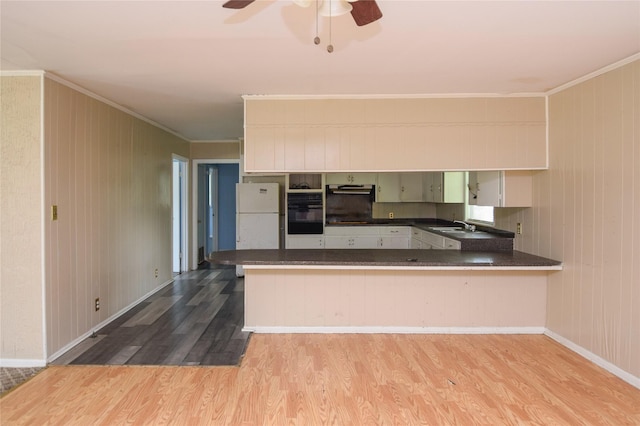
(54, 212)
(97, 304)
(390, 215)
(519, 228)
(156, 273)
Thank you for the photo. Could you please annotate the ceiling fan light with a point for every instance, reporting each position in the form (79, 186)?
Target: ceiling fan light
(335, 7)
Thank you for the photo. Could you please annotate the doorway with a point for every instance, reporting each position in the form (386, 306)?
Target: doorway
(179, 215)
(214, 189)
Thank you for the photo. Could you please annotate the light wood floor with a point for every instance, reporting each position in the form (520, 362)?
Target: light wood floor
(341, 379)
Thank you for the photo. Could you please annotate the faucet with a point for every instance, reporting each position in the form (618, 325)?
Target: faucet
(468, 227)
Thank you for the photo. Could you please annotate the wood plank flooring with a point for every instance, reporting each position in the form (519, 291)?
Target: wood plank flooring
(197, 320)
(344, 380)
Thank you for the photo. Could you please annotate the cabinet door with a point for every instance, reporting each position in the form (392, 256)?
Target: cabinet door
(453, 187)
(433, 240)
(485, 188)
(338, 242)
(365, 242)
(427, 187)
(411, 187)
(388, 188)
(388, 242)
(437, 187)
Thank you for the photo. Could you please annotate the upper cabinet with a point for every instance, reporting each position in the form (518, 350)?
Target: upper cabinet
(351, 179)
(412, 187)
(444, 187)
(432, 187)
(388, 188)
(403, 134)
(501, 188)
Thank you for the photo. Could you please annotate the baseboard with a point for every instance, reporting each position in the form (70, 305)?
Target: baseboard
(396, 330)
(599, 361)
(22, 363)
(113, 317)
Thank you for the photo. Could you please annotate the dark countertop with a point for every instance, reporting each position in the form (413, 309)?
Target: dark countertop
(409, 258)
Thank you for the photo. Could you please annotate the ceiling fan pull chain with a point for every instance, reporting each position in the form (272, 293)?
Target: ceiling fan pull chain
(330, 46)
(316, 40)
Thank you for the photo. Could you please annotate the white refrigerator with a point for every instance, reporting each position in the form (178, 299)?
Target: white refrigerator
(257, 217)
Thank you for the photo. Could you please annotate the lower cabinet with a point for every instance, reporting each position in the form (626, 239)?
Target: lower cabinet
(426, 240)
(367, 237)
(353, 242)
(372, 237)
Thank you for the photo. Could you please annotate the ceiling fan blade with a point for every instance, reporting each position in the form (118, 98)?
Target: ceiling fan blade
(365, 12)
(237, 4)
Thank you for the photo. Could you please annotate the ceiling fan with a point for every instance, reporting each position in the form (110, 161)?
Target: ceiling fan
(363, 11)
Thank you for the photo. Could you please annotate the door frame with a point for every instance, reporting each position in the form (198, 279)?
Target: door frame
(194, 192)
(183, 212)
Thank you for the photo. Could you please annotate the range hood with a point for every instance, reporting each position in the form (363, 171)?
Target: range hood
(350, 189)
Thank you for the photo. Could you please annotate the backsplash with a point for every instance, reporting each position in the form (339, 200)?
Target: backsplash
(404, 210)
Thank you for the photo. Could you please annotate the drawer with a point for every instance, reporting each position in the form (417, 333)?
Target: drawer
(351, 230)
(397, 231)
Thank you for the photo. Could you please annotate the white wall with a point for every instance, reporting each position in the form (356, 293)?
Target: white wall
(21, 216)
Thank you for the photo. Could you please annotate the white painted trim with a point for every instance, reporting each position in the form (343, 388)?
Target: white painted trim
(113, 317)
(546, 125)
(185, 225)
(97, 97)
(599, 361)
(407, 268)
(394, 330)
(594, 74)
(22, 363)
(478, 169)
(194, 200)
(392, 96)
(22, 73)
(43, 223)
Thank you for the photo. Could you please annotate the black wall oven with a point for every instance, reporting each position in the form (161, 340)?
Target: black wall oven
(305, 213)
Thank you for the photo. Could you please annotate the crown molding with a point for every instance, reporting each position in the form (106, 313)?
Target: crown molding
(102, 99)
(594, 74)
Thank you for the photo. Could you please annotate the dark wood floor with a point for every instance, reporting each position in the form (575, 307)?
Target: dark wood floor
(197, 320)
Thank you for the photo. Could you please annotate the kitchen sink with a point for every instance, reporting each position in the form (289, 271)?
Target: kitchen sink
(446, 229)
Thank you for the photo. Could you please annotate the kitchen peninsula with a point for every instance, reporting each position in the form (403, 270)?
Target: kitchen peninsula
(401, 291)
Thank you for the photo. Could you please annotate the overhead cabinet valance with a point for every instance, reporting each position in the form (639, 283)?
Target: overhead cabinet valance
(407, 134)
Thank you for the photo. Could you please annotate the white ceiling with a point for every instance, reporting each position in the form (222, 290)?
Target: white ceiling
(185, 64)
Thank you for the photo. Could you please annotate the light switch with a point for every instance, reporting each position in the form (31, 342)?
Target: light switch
(54, 212)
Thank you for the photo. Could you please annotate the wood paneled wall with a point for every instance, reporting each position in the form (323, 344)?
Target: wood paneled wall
(587, 214)
(404, 134)
(109, 173)
(405, 301)
(21, 211)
